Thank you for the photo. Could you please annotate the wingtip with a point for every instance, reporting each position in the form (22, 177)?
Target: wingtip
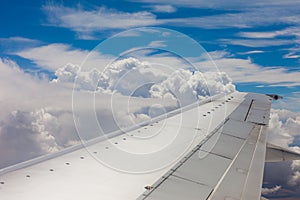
(278, 154)
(275, 96)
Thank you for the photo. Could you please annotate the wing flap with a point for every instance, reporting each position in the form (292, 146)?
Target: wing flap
(230, 163)
(232, 184)
(252, 188)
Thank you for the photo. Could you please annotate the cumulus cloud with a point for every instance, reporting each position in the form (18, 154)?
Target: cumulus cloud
(44, 124)
(131, 77)
(188, 87)
(128, 75)
(283, 131)
(25, 135)
(295, 179)
(35, 115)
(66, 73)
(284, 127)
(296, 165)
(290, 102)
(278, 132)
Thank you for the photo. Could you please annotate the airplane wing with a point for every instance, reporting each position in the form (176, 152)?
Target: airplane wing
(214, 149)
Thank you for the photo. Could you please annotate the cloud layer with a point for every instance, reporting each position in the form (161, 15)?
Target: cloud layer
(131, 77)
(283, 131)
(44, 124)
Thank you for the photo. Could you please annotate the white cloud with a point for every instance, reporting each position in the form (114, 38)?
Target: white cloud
(44, 124)
(292, 55)
(252, 52)
(19, 40)
(188, 87)
(25, 135)
(216, 55)
(86, 22)
(283, 130)
(295, 179)
(266, 191)
(234, 4)
(157, 44)
(291, 31)
(67, 73)
(284, 114)
(271, 38)
(278, 131)
(129, 75)
(57, 55)
(14, 84)
(246, 18)
(258, 34)
(36, 114)
(284, 127)
(296, 165)
(293, 52)
(245, 71)
(140, 78)
(257, 42)
(30, 126)
(163, 8)
(53, 56)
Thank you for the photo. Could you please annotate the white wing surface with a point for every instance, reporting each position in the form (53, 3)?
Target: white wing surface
(213, 150)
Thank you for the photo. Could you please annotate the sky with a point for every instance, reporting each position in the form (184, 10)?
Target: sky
(47, 46)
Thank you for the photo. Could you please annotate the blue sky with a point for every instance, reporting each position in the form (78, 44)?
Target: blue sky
(262, 33)
(256, 43)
